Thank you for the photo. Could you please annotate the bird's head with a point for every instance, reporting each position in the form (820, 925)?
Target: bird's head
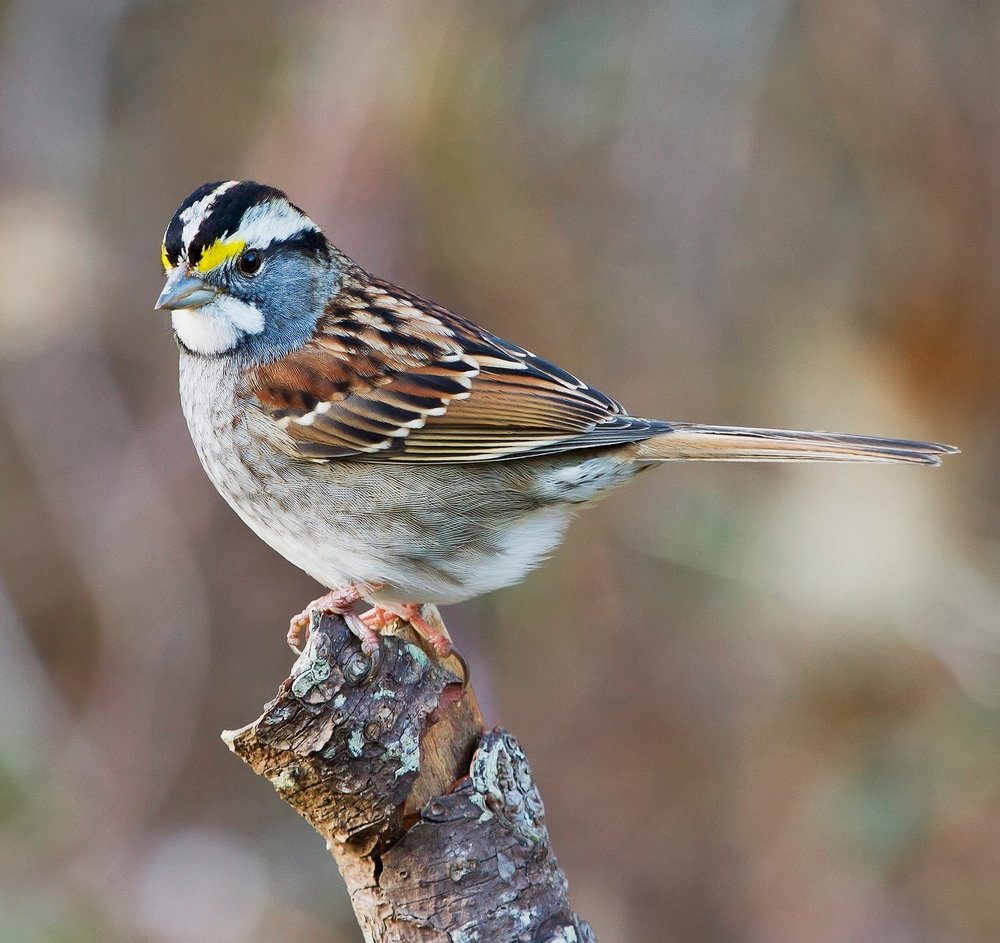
(247, 271)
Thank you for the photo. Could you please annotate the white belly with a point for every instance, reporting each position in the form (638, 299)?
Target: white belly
(411, 533)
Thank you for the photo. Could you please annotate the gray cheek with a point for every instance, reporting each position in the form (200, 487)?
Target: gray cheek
(292, 298)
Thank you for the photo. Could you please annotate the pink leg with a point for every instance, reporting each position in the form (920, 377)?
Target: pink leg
(424, 618)
(336, 602)
(427, 622)
(378, 618)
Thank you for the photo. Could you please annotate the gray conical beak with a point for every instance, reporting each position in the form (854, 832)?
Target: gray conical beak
(184, 290)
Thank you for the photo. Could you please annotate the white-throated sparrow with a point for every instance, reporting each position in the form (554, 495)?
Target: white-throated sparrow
(394, 451)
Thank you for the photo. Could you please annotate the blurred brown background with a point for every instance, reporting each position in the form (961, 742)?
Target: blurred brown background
(762, 704)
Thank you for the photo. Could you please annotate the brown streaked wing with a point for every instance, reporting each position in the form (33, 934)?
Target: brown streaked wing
(391, 377)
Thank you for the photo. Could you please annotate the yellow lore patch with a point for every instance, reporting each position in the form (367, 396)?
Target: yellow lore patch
(165, 259)
(218, 253)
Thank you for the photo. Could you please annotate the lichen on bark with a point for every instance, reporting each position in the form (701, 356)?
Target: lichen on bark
(437, 827)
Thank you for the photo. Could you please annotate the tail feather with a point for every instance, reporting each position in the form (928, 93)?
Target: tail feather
(737, 444)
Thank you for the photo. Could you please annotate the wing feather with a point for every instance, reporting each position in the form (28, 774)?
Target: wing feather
(391, 377)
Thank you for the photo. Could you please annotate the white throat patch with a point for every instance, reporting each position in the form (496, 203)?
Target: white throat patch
(218, 326)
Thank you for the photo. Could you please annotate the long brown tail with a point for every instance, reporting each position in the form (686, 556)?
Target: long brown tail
(736, 444)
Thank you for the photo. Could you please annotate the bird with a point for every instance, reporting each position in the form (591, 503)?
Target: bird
(401, 455)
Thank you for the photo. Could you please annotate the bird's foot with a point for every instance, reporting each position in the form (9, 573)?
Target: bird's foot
(429, 626)
(377, 619)
(425, 619)
(426, 622)
(338, 602)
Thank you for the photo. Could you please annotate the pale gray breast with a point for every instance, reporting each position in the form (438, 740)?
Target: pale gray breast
(209, 404)
(430, 533)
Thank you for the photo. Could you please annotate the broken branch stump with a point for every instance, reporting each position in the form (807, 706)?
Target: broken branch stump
(436, 825)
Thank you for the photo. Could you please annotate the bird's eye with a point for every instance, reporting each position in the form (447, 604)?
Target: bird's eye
(249, 261)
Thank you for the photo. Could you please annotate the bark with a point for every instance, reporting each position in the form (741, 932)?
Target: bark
(435, 824)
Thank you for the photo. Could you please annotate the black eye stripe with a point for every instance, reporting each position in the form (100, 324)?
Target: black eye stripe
(311, 241)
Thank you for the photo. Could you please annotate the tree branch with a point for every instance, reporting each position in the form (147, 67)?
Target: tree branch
(436, 826)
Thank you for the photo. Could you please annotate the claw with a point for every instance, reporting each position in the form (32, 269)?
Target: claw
(466, 674)
(425, 619)
(371, 641)
(338, 602)
(298, 631)
(427, 622)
